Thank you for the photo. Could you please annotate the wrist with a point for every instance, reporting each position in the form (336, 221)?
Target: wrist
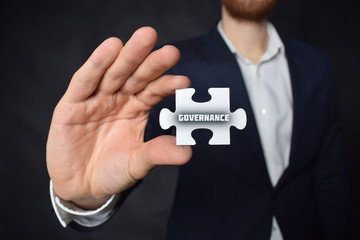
(85, 203)
(91, 203)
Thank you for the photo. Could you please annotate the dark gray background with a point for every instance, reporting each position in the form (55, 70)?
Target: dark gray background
(42, 45)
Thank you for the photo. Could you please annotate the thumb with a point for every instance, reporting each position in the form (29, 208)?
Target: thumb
(159, 151)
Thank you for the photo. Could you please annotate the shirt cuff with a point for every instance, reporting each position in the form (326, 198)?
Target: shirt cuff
(67, 211)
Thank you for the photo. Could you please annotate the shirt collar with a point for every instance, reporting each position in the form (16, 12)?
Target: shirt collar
(274, 48)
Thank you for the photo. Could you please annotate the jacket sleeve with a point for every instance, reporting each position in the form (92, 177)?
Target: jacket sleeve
(330, 176)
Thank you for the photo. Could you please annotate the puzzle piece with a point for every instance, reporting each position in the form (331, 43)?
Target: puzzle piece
(214, 115)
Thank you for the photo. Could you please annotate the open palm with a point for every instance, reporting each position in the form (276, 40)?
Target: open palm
(96, 141)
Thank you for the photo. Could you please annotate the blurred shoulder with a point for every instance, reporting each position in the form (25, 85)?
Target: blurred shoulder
(305, 51)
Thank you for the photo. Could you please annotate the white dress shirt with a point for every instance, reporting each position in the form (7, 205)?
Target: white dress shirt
(269, 89)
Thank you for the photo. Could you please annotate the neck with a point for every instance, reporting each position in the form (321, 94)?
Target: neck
(249, 37)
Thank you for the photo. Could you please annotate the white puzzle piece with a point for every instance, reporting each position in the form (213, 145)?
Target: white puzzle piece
(214, 115)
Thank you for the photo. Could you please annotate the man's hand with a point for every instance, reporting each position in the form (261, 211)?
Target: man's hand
(95, 146)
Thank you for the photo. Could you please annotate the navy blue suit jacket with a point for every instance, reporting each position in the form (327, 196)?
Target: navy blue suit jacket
(225, 192)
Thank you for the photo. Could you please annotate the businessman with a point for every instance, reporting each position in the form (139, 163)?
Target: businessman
(282, 177)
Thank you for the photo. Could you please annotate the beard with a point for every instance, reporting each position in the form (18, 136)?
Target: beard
(251, 10)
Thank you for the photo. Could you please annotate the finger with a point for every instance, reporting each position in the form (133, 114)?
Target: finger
(131, 56)
(153, 66)
(158, 151)
(161, 88)
(87, 78)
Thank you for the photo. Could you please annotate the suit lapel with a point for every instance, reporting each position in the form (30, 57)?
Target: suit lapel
(299, 87)
(228, 74)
